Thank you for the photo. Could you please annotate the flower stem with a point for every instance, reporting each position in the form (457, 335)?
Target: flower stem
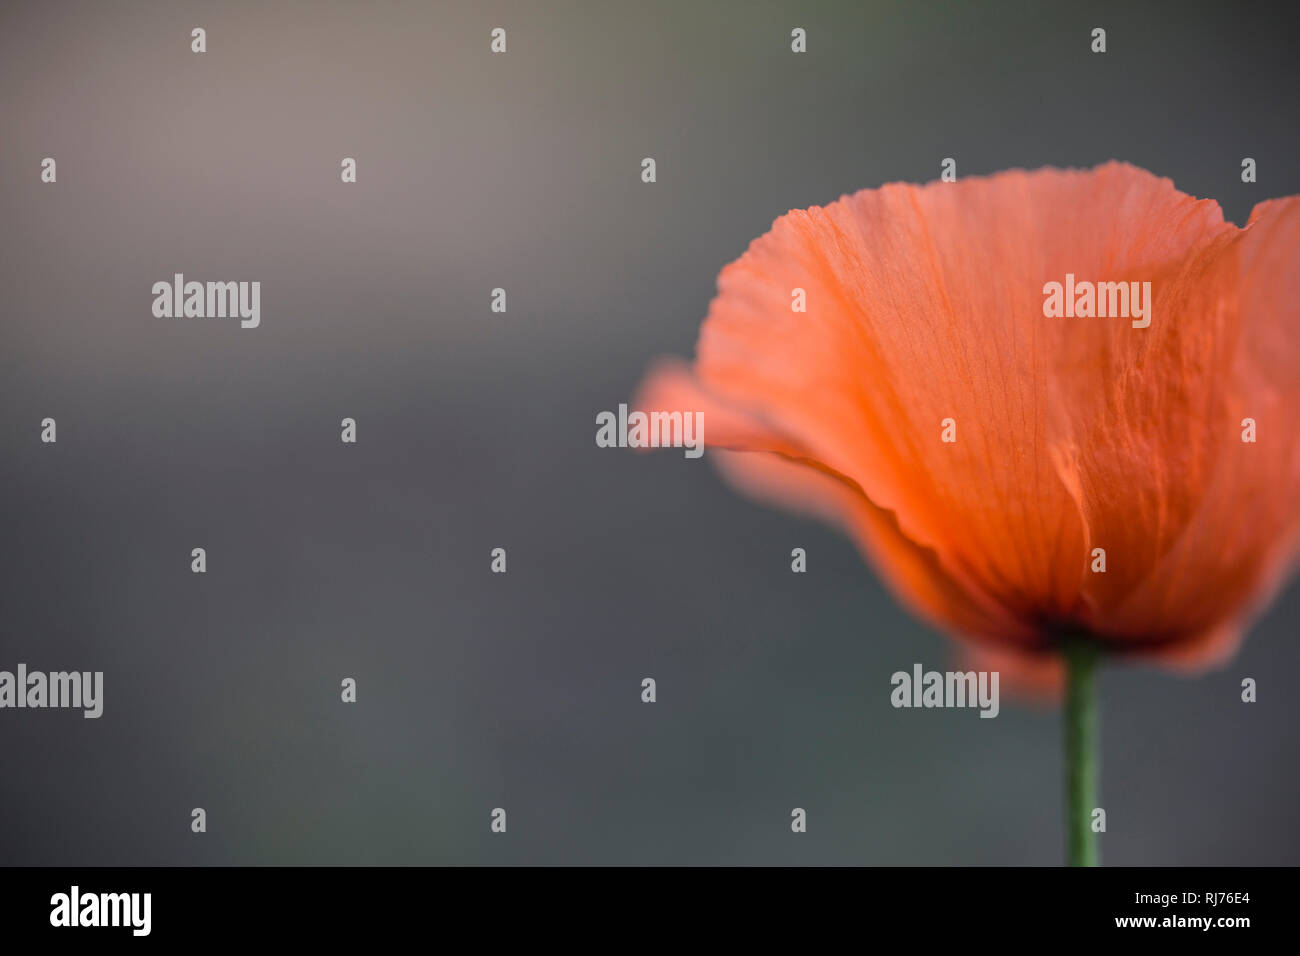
(1080, 752)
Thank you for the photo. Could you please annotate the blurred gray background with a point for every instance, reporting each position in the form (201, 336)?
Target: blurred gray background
(476, 430)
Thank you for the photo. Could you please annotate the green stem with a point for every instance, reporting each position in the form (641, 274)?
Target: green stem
(1080, 752)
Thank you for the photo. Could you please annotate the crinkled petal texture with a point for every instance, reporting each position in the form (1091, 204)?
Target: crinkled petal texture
(925, 304)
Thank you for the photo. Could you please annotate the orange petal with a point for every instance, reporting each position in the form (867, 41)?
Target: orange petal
(926, 304)
(1214, 567)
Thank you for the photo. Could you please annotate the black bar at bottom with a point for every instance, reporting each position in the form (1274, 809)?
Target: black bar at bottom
(536, 904)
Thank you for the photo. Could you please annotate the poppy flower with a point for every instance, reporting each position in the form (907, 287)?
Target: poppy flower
(1031, 480)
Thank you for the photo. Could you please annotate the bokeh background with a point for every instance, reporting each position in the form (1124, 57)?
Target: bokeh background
(476, 430)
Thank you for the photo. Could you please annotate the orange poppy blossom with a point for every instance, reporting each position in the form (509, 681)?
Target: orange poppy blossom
(990, 454)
